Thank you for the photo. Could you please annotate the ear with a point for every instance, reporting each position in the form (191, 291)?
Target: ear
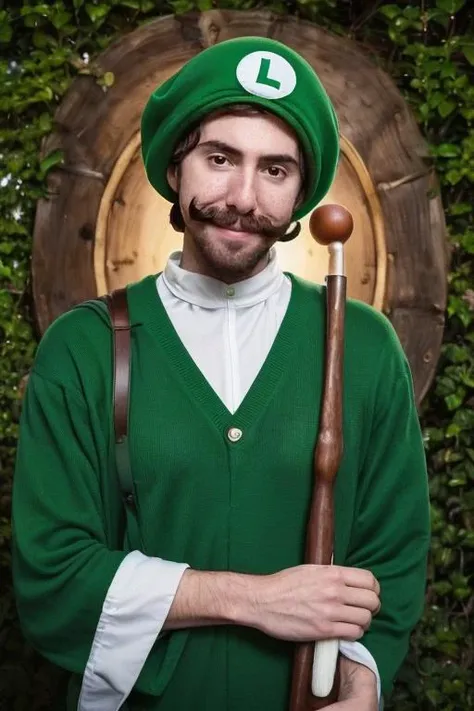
(172, 177)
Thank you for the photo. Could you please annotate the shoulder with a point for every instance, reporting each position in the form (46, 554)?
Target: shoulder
(85, 320)
(358, 313)
(308, 290)
(75, 339)
(366, 330)
(81, 339)
(366, 323)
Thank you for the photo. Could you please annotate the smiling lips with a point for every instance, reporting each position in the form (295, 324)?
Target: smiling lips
(231, 232)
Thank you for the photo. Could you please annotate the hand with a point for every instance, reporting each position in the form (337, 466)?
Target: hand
(311, 602)
(358, 689)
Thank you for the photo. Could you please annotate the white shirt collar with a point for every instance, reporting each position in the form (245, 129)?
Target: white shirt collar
(211, 293)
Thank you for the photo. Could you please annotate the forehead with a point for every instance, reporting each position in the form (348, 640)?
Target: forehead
(258, 133)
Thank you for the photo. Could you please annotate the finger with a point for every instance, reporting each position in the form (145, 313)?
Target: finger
(360, 578)
(359, 597)
(352, 615)
(344, 630)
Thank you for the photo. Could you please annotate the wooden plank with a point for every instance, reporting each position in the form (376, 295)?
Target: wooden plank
(63, 246)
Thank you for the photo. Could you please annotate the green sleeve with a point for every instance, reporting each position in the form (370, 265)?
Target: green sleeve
(391, 530)
(62, 563)
(67, 513)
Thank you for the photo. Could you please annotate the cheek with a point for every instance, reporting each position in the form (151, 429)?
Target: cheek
(278, 202)
(204, 185)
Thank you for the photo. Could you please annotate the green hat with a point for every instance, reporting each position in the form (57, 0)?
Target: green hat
(254, 70)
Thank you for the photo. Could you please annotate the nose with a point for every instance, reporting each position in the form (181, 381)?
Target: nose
(241, 192)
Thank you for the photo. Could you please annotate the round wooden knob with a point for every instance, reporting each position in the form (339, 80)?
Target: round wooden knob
(331, 223)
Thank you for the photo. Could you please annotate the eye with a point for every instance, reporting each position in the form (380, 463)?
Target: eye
(217, 160)
(276, 172)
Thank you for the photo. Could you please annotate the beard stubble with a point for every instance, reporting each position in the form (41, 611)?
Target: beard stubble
(228, 261)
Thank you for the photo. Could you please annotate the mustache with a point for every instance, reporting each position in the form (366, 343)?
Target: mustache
(228, 217)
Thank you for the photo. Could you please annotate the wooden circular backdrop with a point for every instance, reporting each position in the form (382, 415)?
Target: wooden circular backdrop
(103, 226)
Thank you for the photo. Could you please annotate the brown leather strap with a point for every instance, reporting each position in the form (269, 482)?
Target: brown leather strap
(118, 308)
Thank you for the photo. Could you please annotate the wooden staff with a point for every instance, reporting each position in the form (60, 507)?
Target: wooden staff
(315, 672)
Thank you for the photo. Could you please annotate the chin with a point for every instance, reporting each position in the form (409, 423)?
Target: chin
(239, 263)
(231, 255)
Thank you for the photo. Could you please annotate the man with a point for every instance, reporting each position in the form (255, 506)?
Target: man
(199, 604)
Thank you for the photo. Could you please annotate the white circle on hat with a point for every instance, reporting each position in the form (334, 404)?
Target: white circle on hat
(266, 74)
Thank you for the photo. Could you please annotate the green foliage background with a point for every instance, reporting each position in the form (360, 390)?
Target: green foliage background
(428, 49)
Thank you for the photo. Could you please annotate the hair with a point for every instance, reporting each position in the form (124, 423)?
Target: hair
(189, 142)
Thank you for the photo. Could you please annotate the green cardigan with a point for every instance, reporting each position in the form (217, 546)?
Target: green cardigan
(210, 502)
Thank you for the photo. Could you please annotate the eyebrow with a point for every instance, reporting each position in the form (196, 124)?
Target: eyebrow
(269, 158)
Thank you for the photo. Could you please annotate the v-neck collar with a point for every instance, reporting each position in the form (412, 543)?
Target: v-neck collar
(146, 304)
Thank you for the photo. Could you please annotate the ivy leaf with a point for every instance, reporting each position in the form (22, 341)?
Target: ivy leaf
(453, 430)
(401, 23)
(436, 99)
(133, 4)
(34, 20)
(6, 31)
(434, 434)
(42, 9)
(453, 177)
(390, 11)
(52, 159)
(45, 122)
(41, 39)
(459, 580)
(461, 82)
(459, 480)
(449, 70)
(443, 587)
(448, 150)
(456, 354)
(44, 94)
(60, 18)
(454, 401)
(412, 13)
(468, 51)
(431, 67)
(5, 271)
(439, 16)
(460, 208)
(97, 12)
(446, 107)
(108, 79)
(450, 6)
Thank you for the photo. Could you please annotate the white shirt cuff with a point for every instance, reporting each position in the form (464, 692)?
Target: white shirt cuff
(134, 611)
(360, 654)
